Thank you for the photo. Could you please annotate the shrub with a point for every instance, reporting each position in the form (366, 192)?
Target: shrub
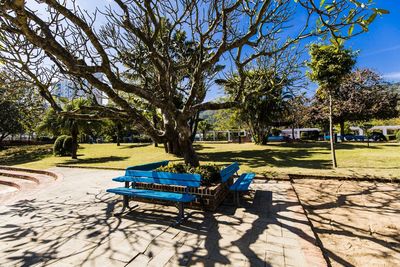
(68, 146)
(210, 174)
(398, 136)
(58, 148)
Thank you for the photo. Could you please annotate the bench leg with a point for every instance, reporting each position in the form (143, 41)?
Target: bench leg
(237, 199)
(181, 214)
(126, 202)
(125, 206)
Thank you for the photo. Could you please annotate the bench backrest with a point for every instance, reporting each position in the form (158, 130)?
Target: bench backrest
(149, 166)
(165, 178)
(229, 171)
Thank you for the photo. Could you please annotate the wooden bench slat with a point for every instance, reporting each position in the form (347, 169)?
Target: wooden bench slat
(229, 171)
(243, 182)
(133, 192)
(149, 166)
(152, 180)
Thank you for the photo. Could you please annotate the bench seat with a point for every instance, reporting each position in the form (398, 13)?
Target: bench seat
(243, 182)
(133, 192)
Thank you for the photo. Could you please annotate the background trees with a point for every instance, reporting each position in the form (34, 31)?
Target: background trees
(361, 96)
(329, 64)
(10, 120)
(57, 123)
(263, 101)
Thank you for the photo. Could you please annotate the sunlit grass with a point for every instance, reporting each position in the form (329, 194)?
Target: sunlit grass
(356, 159)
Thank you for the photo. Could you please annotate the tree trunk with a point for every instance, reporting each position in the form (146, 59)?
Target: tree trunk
(342, 130)
(172, 144)
(331, 139)
(293, 138)
(264, 137)
(194, 126)
(74, 135)
(119, 126)
(189, 154)
(166, 147)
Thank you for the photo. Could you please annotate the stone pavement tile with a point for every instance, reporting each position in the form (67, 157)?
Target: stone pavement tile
(259, 249)
(284, 241)
(294, 257)
(274, 259)
(273, 247)
(59, 264)
(274, 230)
(254, 262)
(161, 258)
(139, 260)
(49, 252)
(204, 262)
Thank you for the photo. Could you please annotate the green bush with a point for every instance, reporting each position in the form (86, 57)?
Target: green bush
(68, 146)
(58, 147)
(398, 136)
(210, 174)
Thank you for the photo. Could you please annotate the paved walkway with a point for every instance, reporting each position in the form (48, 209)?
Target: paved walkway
(70, 223)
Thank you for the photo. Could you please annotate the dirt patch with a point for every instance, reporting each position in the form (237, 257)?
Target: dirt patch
(357, 222)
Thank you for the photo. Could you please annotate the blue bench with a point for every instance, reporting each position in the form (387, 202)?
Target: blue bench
(133, 176)
(241, 184)
(149, 166)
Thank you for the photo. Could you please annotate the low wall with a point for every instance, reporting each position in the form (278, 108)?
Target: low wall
(207, 197)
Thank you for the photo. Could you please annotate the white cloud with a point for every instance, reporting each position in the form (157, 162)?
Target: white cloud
(380, 51)
(392, 76)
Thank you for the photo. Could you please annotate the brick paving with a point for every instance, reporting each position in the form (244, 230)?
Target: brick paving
(71, 224)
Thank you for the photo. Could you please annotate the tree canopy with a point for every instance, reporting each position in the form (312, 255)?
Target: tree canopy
(10, 118)
(361, 96)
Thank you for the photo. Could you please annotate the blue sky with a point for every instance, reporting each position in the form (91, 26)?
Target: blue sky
(380, 46)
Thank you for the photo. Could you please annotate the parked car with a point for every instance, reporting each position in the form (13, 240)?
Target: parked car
(278, 138)
(377, 136)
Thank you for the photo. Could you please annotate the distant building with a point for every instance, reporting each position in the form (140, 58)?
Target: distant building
(65, 88)
(297, 132)
(385, 129)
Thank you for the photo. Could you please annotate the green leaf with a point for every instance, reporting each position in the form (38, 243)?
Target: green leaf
(371, 18)
(381, 11)
(351, 29)
(322, 3)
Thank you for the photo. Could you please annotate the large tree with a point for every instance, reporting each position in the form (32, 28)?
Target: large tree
(10, 119)
(329, 64)
(143, 54)
(263, 102)
(362, 96)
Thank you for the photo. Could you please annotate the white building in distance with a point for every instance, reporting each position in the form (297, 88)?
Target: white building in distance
(66, 88)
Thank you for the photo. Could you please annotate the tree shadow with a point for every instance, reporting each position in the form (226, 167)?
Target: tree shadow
(322, 145)
(94, 160)
(24, 154)
(126, 146)
(275, 158)
(358, 216)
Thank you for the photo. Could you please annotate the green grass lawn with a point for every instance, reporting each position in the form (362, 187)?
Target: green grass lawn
(356, 159)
